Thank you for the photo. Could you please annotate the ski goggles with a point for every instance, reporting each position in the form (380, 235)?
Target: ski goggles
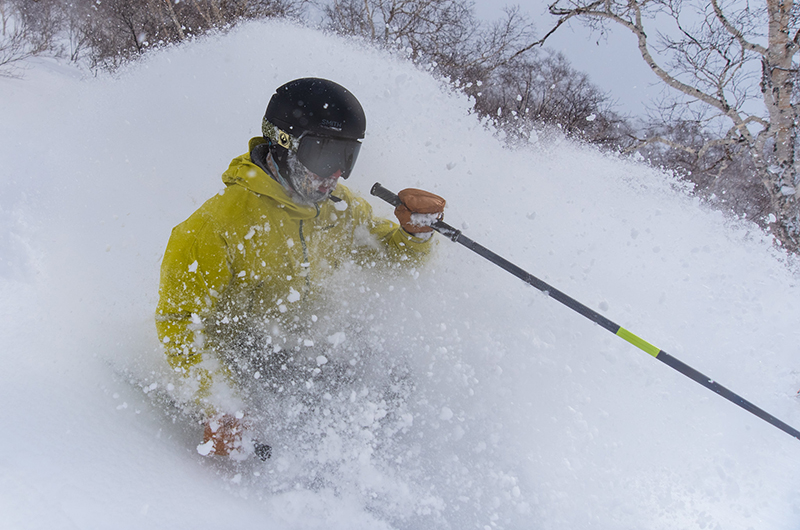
(322, 155)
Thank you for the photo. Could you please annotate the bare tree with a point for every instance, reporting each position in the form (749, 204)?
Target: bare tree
(722, 172)
(443, 34)
(511, 84)
(435, 30)
(528, 92)
(120, 30)
(166, 10)
(734, 68)
(23, 34)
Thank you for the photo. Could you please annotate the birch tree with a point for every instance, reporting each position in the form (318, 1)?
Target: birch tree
(733, 67)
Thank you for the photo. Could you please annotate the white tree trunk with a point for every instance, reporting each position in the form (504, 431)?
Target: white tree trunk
(777, 86)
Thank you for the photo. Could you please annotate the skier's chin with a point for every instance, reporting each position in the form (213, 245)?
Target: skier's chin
(311, 189)
(311, 198)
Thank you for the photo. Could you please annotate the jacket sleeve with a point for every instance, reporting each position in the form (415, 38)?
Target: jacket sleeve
(398, 244)
(195, 269)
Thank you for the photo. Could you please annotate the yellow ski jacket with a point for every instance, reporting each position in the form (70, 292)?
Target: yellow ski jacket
(250, 253)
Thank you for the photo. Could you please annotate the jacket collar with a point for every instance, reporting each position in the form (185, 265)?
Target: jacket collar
(244, 172)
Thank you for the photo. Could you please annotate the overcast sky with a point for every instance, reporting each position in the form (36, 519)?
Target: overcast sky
(613, 63)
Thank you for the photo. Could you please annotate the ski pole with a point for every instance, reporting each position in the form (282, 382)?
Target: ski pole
(457, 237)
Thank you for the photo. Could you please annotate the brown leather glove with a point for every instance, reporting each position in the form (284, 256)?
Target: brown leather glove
(419, 210)
(223, 433)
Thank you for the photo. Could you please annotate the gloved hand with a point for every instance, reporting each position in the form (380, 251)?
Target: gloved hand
(223, 433)
(419, 210)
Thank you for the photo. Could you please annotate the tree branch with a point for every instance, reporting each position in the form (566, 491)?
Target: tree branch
(733, 30)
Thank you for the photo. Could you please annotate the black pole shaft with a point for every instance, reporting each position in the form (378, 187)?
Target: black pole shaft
(456, 236)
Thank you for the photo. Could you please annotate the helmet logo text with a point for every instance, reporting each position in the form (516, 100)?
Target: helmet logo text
(330, 124)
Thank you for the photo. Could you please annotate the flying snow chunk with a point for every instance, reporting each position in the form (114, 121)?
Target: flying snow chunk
(446, 414)
(293, 297)
(193, 267)
(205, 449)
(591, 117)
(322, 360)
(337, 338)
(424, 219)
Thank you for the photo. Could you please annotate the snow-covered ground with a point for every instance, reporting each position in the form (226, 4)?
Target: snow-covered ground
(522, 415)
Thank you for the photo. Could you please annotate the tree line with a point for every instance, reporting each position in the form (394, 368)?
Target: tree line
(104, 34)
(740, 157)
(516, 89)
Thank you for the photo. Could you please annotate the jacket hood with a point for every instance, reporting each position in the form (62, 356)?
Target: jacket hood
(242, 171)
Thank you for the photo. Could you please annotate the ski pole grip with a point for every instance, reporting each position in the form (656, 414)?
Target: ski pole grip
(440, 226)
(388, 196)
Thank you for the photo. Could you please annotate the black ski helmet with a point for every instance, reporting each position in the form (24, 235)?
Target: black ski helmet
(319, 122)
(316, 106)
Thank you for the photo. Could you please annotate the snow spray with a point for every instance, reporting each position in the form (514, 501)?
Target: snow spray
(457, 237)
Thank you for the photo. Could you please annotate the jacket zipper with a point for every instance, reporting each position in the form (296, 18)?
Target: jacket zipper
(305, 267)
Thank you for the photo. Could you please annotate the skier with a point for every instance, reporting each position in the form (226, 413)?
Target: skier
(235, 274)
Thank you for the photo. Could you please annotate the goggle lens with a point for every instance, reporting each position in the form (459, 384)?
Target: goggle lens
(325, 156)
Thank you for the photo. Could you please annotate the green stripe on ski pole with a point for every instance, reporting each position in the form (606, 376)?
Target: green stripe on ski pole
(457, 237)
(704, 380)
(638, 342)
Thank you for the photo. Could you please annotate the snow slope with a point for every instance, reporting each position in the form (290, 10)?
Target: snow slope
(523, 414)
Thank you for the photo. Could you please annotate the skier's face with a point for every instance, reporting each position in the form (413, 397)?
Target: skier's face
(311, 188)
